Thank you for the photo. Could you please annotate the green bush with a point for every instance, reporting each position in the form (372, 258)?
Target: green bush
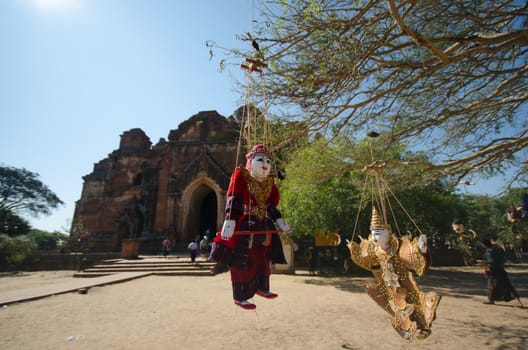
(13, 250)
(47, 241)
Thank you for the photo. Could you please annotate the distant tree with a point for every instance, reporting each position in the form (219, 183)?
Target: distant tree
(13, 250)
(21, 191)
(318, 195)
(12, 224)
(326, 190)
(46, 241)
(446, 76)
(487, 217)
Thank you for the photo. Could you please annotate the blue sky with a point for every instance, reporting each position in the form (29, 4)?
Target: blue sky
(76, 74)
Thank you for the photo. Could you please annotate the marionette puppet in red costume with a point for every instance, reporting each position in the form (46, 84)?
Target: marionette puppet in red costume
(249, 241)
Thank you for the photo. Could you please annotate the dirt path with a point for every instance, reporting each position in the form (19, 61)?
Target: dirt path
(310, 313)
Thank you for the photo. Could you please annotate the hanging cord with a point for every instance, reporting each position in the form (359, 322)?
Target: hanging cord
(361, 201)
(264, 110)
(267, 139)
(249, 119)
(248, 124)
(245, 124)
(368, 179)
(405, 211)
(246, 120)
(380, 192)
(253, 113)
(376, 189)
(252, 132)
(393, 216)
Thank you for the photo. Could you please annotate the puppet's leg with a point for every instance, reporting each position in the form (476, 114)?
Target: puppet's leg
(401, 321)
(431, 304)
(243, 272)
(403, 311)
(427, 314)
(378, 293)
(425, 305)
(243, 283)
(263, 271)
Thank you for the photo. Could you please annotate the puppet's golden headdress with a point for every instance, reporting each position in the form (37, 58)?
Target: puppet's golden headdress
(376, 222)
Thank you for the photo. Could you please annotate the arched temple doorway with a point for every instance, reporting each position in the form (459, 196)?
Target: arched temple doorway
(208, 214)
(201, 208)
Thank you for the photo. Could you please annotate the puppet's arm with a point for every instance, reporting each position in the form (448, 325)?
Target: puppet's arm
(359, 253)
(415, 254)
(275, 215)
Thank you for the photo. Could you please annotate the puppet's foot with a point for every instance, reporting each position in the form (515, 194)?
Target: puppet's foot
(431, 303)
(488, 302)
(266, 294)
(245, 304)
(423, 333)
(404, 326)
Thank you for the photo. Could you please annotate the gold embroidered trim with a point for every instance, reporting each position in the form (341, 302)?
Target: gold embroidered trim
(260, 191)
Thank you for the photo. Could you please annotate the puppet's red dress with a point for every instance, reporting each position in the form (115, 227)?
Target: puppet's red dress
(253, 204)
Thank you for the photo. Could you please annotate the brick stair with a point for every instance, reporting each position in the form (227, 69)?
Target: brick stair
(156, 265)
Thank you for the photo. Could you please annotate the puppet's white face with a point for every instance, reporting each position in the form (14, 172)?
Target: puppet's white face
(380, 237)
(458, 228)
(260, 166)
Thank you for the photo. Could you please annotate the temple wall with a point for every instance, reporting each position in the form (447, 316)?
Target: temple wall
(138, 190)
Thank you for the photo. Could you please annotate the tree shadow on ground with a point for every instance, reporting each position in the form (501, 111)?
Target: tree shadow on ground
(465, 282)
(459, 282)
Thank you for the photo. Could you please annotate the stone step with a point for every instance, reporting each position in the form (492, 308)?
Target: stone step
(147, 269)
(154, 265)
(173, 266)
(92, 274)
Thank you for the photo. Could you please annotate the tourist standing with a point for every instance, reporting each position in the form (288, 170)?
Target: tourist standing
(311, 257)
(204, 246)
(499, 285)
(193, 250)
(166, 245)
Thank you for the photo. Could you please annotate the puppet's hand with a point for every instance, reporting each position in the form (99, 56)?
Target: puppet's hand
(422, 244)
(228, 228)
(283, 225)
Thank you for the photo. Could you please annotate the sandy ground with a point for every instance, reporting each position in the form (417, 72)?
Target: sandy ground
(312, 312)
